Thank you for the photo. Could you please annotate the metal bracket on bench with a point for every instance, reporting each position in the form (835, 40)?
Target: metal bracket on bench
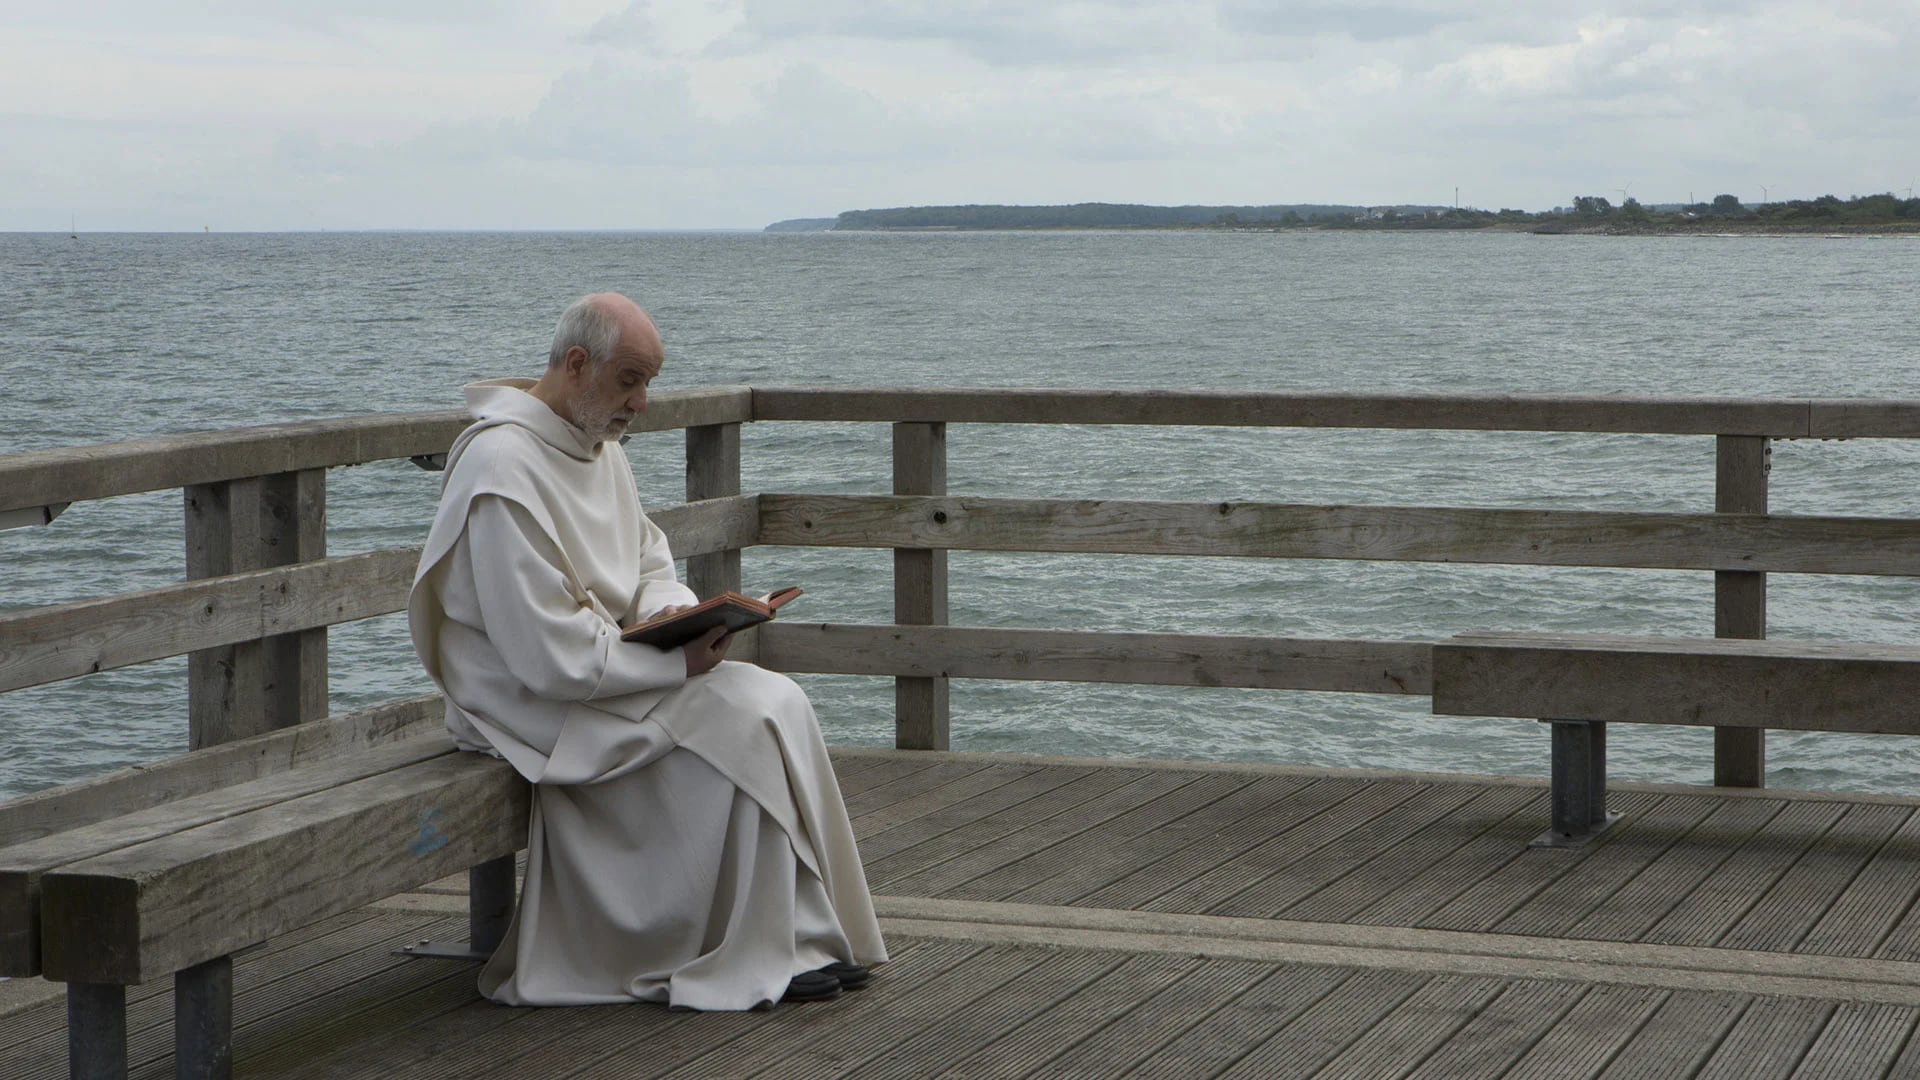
(1579, 784)
(489, 912)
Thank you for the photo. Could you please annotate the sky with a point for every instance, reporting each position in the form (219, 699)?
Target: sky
(235, 115)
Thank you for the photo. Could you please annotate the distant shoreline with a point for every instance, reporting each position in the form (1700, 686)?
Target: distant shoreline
(1590, 215)
(1702, 229)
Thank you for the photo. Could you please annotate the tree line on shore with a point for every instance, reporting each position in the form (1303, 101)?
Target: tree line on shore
(1587, 213)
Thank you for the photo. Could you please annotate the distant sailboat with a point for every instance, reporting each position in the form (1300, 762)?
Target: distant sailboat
(73, 227)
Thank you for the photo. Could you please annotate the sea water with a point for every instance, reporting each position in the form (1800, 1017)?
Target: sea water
(107, 337)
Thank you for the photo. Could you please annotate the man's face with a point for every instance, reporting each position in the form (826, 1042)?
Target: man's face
(608, 397)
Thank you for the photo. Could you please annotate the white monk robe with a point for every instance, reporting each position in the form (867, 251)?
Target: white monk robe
(689, 844)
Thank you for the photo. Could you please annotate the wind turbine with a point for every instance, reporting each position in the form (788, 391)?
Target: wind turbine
(1764, 200)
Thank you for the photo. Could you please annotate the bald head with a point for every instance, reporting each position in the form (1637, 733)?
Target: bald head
(600, 324)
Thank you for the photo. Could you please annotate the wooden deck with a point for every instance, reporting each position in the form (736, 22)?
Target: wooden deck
(1055, 917)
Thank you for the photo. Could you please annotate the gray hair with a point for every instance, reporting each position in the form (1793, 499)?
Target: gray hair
(587, 325)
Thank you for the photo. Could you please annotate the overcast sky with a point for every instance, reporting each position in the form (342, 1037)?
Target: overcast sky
(573, 114)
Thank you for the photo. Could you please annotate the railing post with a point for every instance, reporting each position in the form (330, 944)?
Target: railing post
(920, 715)
(1741, 463)
(713, 472)
(250, 524)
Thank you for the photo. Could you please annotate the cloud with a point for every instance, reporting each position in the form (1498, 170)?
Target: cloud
(1366, 23)
(713, 112)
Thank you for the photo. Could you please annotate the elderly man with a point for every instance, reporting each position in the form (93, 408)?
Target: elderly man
(689, 844)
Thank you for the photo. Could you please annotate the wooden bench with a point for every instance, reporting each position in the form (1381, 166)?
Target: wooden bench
(166, 869)
(1581, 682)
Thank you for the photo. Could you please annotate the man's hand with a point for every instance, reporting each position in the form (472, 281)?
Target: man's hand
(705, 652)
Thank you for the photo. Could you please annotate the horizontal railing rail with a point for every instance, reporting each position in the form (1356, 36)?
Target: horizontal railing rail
(1348, 665)
(77, 474)
(1626, 539)
(1808, 418)
(65, 641)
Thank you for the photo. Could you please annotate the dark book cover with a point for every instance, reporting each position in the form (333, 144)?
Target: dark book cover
(730, 609)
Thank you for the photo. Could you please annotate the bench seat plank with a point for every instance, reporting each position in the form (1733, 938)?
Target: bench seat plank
(124, 791)
(1727, 682)
(157, 907)
(22, 865)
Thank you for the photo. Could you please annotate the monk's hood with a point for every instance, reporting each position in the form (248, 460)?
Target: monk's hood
(507, 401)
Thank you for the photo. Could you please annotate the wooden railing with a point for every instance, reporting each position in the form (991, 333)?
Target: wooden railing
(262, 592)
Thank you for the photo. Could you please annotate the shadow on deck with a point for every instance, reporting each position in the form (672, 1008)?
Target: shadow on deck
(1069, 917)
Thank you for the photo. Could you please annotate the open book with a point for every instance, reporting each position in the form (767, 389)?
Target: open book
(729, 609)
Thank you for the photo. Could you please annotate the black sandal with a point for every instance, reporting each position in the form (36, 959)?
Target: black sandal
(812, 986)
(849, 976)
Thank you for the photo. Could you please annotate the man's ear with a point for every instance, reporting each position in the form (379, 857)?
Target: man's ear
(576, 361)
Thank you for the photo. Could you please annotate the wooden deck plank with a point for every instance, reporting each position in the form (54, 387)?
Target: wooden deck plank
(1589, 1034)
(278, 954)
(644, 1040)
(1566, 900)
(1098, 792)
(895, 838)
(889, 1020)
(1325, 864)
(1421, 1024)
(1056, 1029)
(1664, 883)
(1495, 897)
(1499, 843)
(1502, 1032)
(472, 1031)
(259, 1008)
(1054, 979)
(880, 797)
(396, 1000)
(1244, 1022)
(932, 868)
(861, 1023)
(1158, 1020)
(260, 978)
(1324, 1031)
(1868, 913)
(883, 772)
(913, 1022)
(1720, 900)
(1859, 1040)
(869, 823)
(1768, 1041)
(1907, 1065)
(1101, 855)
(846, 765)
(1679, 1036)
(1292, 837)
(1227, 840)
(1409, 857)
(1790, 909)
(1105, 842)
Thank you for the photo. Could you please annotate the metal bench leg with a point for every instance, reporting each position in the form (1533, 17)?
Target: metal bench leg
(203, 1021)
(489, 911)
(96, 1031)
(489, 904)
(1579, 784)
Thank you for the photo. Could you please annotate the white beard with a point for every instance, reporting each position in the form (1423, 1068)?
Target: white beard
(598, 420)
